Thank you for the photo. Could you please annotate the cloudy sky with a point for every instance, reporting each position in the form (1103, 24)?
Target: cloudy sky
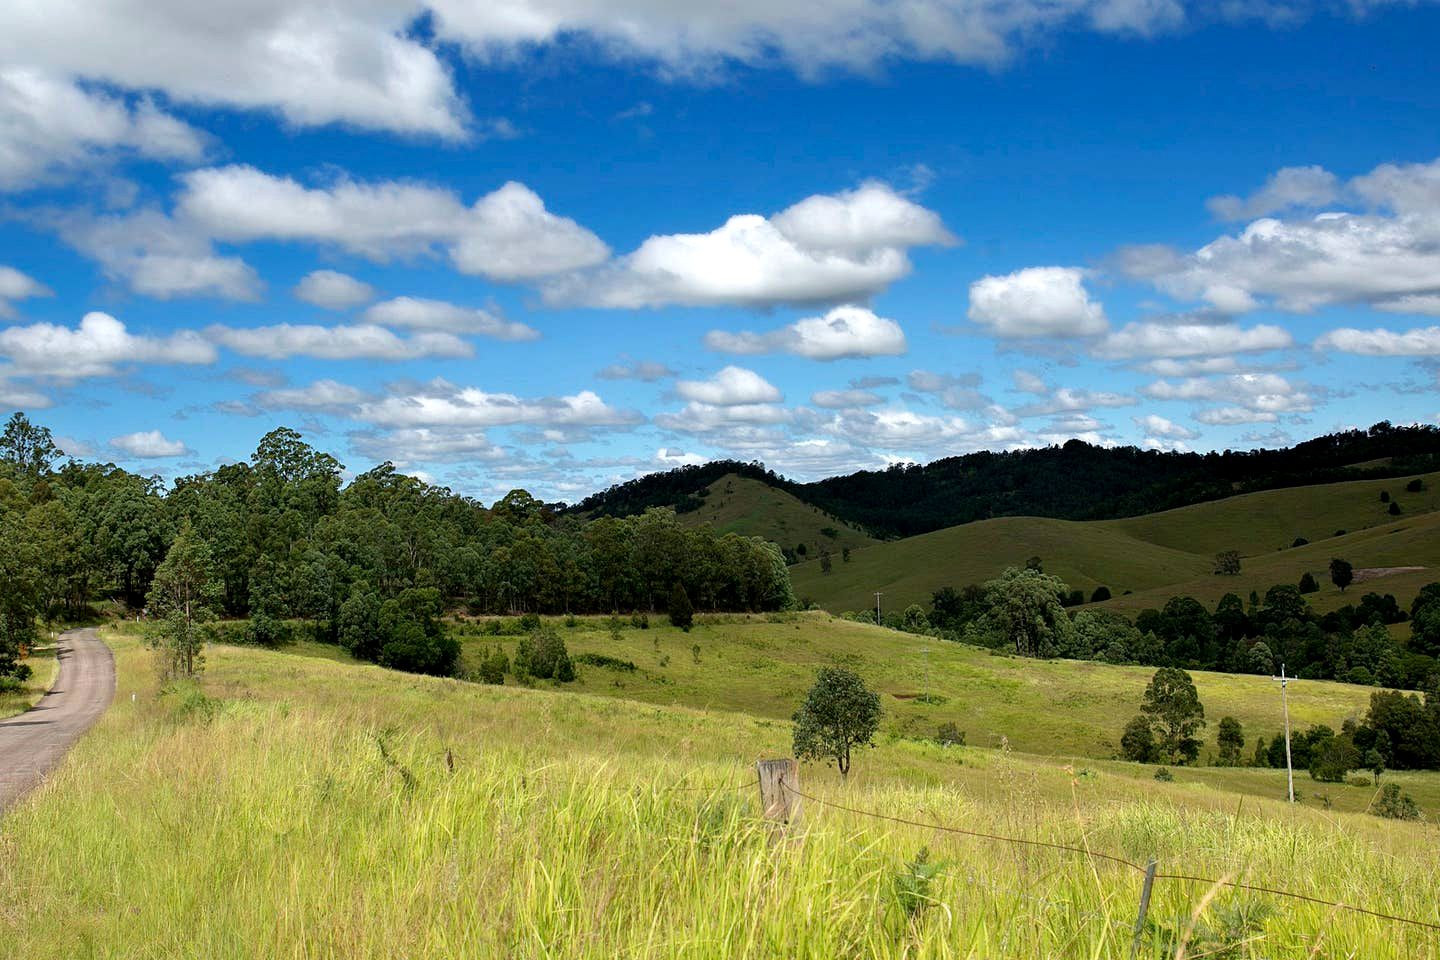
(558, 243)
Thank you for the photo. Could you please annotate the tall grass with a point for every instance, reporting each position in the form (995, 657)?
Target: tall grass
(301, 808)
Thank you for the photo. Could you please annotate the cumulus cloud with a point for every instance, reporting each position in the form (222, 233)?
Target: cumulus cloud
(845, 399)
(1243, 397)
(442, 404)
(698, 417)
(1037, 302)
(1157, 426)
(314, 62)
(1420, 342)
(507, 235)
(95, 348)
(420, 314)
(15, 285)
(956, 392)
(732, 386)
(646, 371)
(157, 257)
(1191, 340)
(148, 445)
(1073, 399)
(364, 342)
(1287, 188)
(322, 395)
(333, 290)
(414, 445)
(16, 396)
(844, 332)
(1382, 252)
(50, 126)
(824, 249)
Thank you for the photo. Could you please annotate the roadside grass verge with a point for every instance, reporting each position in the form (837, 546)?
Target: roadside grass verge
(45, 666)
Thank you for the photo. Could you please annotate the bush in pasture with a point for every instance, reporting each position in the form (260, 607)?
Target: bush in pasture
(543, 656)
(949, 735)
(1342, 573)
(1137, 743)
(1227, 563)
(529, 623)
(1396, 805)
(1100, 594)
(1384, 496)
(695, 652)
(914, 619)
(1230, 741)
(1395, 510)
(1308, 583)
(1332, 759)
(640, 620)
(183, 593)
(360, 625)
(1164, 775)
(1299, 542)
(1415, 486)
(682, 613)
(493, 666)
(839, 714)
(412, 637)
(602, 660)
(571, 621)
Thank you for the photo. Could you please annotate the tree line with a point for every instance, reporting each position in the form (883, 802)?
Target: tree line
(374, 562)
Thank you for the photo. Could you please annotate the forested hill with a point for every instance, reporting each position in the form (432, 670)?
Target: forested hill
(1076, 481)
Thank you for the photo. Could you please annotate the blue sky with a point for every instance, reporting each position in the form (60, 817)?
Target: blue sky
(559, 243)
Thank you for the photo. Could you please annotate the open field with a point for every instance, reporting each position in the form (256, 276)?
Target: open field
(1160, 555)
(735, 504)
(42, 661)
(263, 817)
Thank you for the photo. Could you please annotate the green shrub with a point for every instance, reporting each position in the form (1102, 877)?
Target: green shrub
(542, 655)
(911, 886)
(682, 613)
(1396, 805)
(949, 735)
(601, 660)
(1164, 775)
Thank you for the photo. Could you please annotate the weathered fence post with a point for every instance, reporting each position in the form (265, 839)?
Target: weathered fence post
(779, 805)
(1144, 905)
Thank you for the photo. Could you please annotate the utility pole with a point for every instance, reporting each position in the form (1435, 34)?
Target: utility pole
(1285, 702)
(877, 606)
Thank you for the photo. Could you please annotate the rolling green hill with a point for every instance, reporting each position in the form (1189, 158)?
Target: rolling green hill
(1162, 554)
(752, 508)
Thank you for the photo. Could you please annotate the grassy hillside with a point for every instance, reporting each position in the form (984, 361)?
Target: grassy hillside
(1159, 555)
(762, 667)
(751, 508)
(302, 807)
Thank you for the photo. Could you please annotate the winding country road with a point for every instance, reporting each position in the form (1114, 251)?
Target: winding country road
(33, 743)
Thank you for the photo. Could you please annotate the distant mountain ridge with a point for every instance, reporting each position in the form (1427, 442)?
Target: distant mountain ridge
(1076, 481)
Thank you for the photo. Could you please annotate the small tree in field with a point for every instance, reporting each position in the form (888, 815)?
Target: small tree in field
(682, 614)
(182, 594)
(1342, 574)
(1227, 563)
(1231, 741)
(839, 714)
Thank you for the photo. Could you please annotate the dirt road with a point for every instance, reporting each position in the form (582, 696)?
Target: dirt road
(34, 743)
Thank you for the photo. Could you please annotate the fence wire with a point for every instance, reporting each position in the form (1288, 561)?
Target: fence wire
(1095, 854)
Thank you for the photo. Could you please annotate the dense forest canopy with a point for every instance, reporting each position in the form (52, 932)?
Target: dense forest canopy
(285, 538)
(1076, 481)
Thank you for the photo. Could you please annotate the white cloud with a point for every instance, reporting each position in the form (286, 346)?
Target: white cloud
(697, 417)
(312, 61)
(95, 348)
(420, 314)
(1157, 426)
(1244, 397)
(1420, 342)
(15, 396)
(1417, 303)
(413, 445)
(1072, 399)
(732, 386)
(824, 249)
(1029, 382)
(50, 126)
(845, 399)
(157, 257)
(956, 392)
(1383, 254)
(15, 285)
(333, 290)
(646, 371)
(507, 235)
(897, 428)
(1288, 187)
(148, 445)
(841, 333)
(1191, 340)
(365, 342)
(322, 395)
(1037, 302)
(1234, 416)
(441, 404)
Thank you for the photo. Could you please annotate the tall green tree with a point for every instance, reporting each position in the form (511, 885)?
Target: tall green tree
(1025, 610)
(28, 446)
(183, 595)
(1173, 707)
(1342, 574)
(1230, 742)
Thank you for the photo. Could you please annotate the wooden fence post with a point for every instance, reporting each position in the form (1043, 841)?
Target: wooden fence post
(779, 805)
(1144, 905)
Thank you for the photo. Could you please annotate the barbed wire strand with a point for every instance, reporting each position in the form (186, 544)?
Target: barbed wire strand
(1235, 884)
